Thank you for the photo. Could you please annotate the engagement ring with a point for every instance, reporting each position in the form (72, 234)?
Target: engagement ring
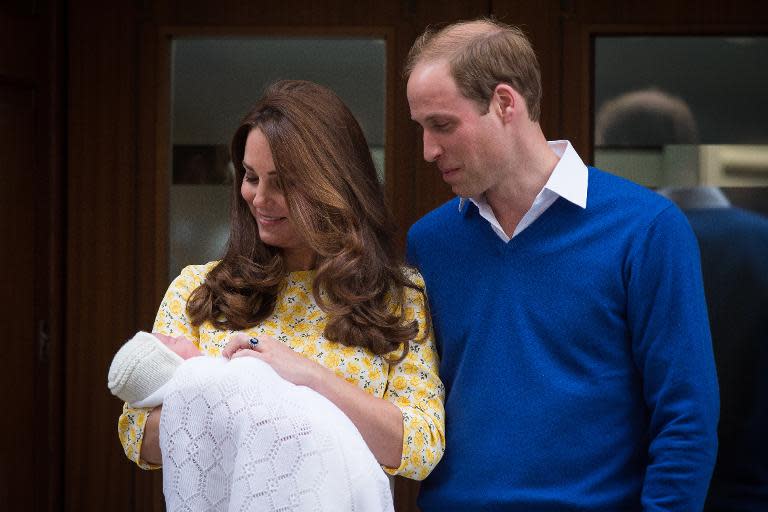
(253, 342)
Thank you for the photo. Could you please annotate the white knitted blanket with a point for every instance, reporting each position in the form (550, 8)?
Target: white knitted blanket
(235, 436)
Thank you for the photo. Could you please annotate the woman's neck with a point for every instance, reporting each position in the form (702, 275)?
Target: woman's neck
(299, 259)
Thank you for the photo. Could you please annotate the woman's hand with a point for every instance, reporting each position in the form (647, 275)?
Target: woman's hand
(290, 365)
(380, 422)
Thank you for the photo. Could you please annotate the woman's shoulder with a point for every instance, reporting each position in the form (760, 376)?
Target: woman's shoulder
(413, 276)
(194, 275)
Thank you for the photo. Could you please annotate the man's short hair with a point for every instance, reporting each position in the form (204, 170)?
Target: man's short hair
(482, 54)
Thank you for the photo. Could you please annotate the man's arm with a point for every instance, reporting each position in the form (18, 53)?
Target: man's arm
(672, 348)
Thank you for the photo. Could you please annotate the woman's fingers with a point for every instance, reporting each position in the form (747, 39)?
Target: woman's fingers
(237, 341)
(241, 341)
(246, 353)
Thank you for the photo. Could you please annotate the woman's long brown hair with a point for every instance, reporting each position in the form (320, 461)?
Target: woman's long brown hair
(336, 203)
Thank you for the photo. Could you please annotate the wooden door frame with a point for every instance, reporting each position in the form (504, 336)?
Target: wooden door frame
(162, 175)
(155, 162)
(578, 62)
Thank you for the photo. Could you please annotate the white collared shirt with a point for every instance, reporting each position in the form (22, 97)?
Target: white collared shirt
(568, 180)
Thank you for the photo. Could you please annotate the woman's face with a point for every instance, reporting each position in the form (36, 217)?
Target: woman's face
(261, 191)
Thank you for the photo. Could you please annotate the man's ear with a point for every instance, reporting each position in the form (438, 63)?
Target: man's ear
(506, 101)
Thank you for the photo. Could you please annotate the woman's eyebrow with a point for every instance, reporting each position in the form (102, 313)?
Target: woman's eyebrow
(247, 167)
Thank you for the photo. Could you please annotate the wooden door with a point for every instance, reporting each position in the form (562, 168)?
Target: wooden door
(118, 167)
(17, 211)
(30, 230)
(117, 191)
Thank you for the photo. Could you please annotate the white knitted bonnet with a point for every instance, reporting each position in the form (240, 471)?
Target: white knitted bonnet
(140, 367)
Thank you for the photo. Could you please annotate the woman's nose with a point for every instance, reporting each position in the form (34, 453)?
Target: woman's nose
(260, 196)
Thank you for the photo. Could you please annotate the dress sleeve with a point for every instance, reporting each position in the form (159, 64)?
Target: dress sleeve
(414, 386)
(171, 319)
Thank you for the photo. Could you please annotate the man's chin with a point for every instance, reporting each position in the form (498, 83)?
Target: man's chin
(460, 190)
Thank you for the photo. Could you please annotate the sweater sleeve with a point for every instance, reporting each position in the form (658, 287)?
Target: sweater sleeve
(672, 348)
(171, 319)
(414, 387)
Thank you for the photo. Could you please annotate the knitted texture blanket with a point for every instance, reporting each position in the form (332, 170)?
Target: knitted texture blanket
(235, 436)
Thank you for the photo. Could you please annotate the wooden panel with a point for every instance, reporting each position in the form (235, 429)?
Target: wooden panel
(101, 248)
(151, 220)
(24, 35)
(429, 189)
(31, 229)
(18, 369)
(49, 254)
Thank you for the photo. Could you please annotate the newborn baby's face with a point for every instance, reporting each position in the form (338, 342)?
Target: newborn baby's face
(182, 346)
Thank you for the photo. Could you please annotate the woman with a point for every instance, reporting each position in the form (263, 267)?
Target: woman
(311, 271)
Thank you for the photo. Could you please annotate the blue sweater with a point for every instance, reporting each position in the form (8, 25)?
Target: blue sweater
(577, 357)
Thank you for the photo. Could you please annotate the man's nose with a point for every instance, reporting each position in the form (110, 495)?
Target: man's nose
(432, 150)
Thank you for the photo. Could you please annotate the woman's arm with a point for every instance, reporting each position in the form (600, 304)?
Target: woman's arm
(380, 422)
(405, 430)
(150, 446)
(130, 430)
(414, 386)
(137, 428)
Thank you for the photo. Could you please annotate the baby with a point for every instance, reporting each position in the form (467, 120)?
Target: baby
(142, 369)
(234, 435)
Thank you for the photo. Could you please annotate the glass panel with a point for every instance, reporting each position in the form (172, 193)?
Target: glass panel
(687, 115)
(722, 80)
(214, 83)
(656, 96)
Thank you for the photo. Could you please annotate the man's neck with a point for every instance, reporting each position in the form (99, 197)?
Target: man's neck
(532, 167)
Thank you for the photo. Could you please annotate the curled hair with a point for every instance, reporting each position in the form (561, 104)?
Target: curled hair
(337, 206)
(482, 54)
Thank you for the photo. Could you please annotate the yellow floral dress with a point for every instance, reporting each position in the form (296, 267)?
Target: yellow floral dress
(412, 384)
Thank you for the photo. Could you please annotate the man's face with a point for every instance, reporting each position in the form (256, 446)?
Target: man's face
(467, 146)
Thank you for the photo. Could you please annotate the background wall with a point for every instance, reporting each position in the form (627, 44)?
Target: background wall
(84, 120)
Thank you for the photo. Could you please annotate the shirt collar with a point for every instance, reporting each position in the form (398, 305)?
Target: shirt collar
(569, 178)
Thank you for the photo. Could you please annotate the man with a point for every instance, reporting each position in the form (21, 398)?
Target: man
(733, 244)
(567, 304)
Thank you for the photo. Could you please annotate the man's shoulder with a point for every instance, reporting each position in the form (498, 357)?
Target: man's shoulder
(640, 217)
(611, 190)
(438, 219)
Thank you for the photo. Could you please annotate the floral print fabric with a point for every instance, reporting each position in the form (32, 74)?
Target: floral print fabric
(412, 384)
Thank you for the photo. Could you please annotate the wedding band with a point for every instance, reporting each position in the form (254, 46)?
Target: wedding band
(253, 342)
